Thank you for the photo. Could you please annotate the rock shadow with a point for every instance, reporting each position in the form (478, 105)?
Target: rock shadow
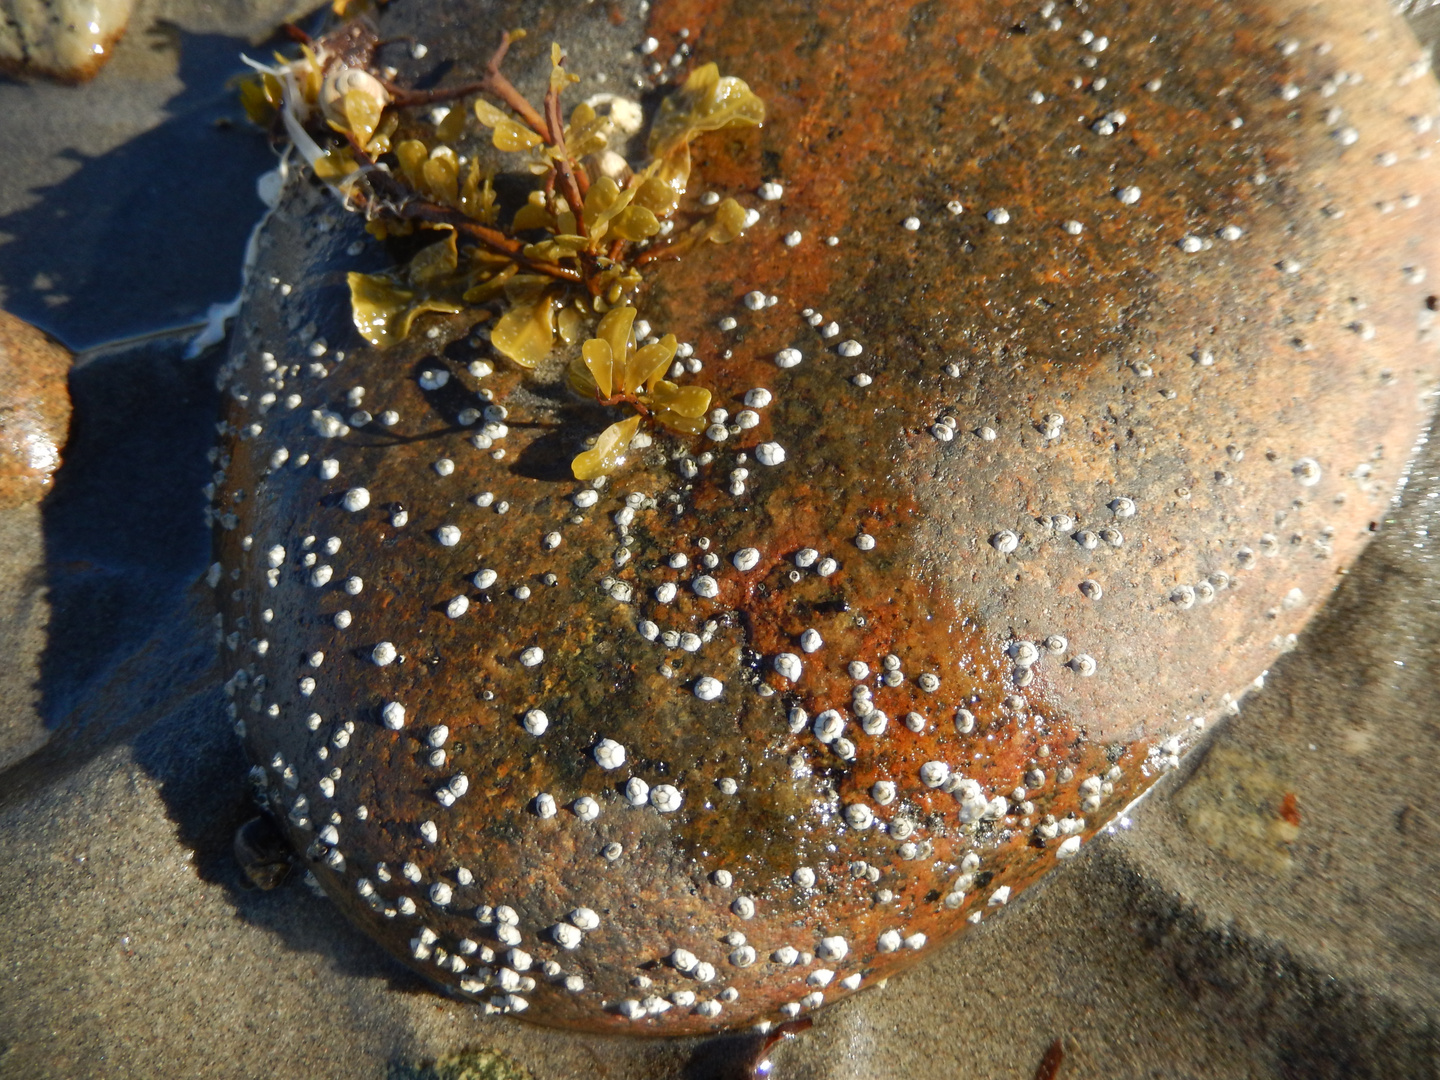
(124, 535)
(152, 232)
(144, 236)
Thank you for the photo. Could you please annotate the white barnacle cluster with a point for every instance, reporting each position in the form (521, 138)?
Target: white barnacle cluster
(843, 703)
(1183, 597)
(315, 794)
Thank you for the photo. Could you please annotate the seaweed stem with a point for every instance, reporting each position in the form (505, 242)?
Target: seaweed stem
(420, 210)
(570, 185)
(494, 82)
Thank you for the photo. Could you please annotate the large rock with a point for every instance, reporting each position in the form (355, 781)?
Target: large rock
(1187, 355)
(1157, 953)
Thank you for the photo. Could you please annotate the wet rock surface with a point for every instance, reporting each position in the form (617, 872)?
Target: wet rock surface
(63, 39)
(71, 40)
(1060, 444)
(1161, 952)
(1155, 953)
(34, 411)
(34, 418)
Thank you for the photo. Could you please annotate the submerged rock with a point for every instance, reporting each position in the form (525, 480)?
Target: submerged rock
(1066, 366)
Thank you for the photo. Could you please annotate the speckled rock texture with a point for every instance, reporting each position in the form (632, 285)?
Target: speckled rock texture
(71, 40)
(34, 418)
(34, 410)
(1118, 356)
(1154, 954)
(64, 39)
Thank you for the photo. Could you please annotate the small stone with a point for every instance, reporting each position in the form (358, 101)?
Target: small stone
(67, 40)
(34, 409)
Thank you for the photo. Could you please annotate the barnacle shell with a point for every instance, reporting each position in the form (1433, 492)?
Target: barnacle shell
(346, 91)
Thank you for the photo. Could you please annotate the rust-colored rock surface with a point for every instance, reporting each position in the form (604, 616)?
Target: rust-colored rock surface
(1113, 341)
(34, 410)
